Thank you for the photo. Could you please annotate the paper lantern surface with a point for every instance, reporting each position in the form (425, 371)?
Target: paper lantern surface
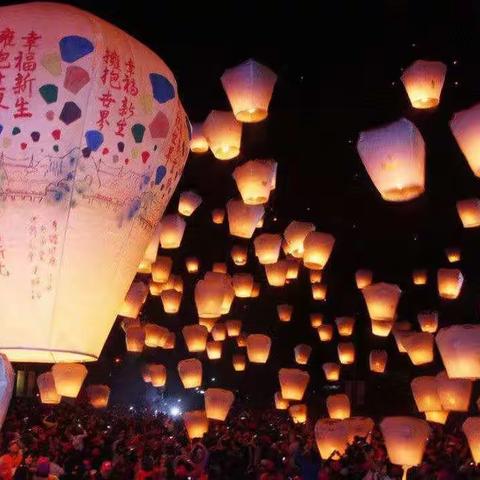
(198, 142)
(454, 393)
(331, 436)
(94, 141)
(69, 378)
(196, 423)
(98, 395)
(190, 372)
(471, 428)
(293, 383)
(47, 390)
(217, 403)
(338, 406)
(469, 212)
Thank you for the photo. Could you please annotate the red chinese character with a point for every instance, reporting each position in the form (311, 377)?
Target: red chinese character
(21, 106)
(121, 125)
(102, 121)
(6, 38)
(4, 56)
(106, 99)
(126, 109)
(23, 83)
(2, 95)
(31, 40)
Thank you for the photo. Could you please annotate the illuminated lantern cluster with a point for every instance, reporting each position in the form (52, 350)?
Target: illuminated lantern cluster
(280, 402)
(425, 393)
(419, 347)
(198, 142)
(188, 203)
(98, 395)
(150, 253)
(471, 428)
(277, 273)
(219, 332)
(255, 180)
(449, 281)
(210, 296)
(155, 335)
(171, 300)
(358, 427)
(234, 327)
(161, 269)
(242, 218)
(158, 374)
(223, 133)
(338, 406)
(243, 284)
(135, 339)
(217, 403)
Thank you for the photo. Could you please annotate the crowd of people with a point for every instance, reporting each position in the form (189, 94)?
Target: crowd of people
(73, 441)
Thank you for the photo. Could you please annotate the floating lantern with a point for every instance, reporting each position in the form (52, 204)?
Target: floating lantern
(454, 393)
(151, 251)
(47, 390)
(146, 374)
(459, 347)
(280, 402)
(316, 319)
(425, 393)
(234, 327)
(172, 228)
(255, 290)
(161, 269)
(158, 374)
(214, 350)
(315, 276)
(209, 296)
(346, 353)
(196, 423)
(471, 429)
(135, 339)
(469, 212)
(68, 378)
(363, 278)
(171, 300)
(218, 216)
(293, 383)
(338, 406)
(255, 180)
(242, 218)
(325, 333)
(423, 81)
(195, 337)
(319, 291)
(98, 395)
(239, 362)
(126, 323)
(399, 336)
(419, 347)
(170, 341)
(223, 133)
(358, 427)
(217, 403)
(219, 267)
(298, 413)
(428, 321)
(382, 300)
(295, 235)
(381, 328)
(190, 372)
(453, 254)
(437, 416)
(378, 361)
(198, 142)
(302, 353)
(249, 88)
(242, 284)
(208, 323)
(258, 347)
(267, 248)
(284, 312)
(420, 277)
(449, 281)
(192, 264)
(188, 203)
(242, 340)
(331, 437)
(332, 371)
(394, 157)
(277, 273)
(219, 332)
(134, 300)
(345, 325)
(155, 335)
(177, 283)
(239, 255)
(293, 268)
(317, 248)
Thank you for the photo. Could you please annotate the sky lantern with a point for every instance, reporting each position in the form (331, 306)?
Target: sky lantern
(98, 395)
(459, 347)
(171, 300)
(325, 332)
(221, 281)
(208, 323)
(198, 142)
(135, 339)
(214, 350)
(209, 295)
(471, 429)
(331, 371)
(47, 390)
(405, 440)
(317, 247)
(294, 235)
(242, 218)
(172, 228)
(242, 340)
(315, 276)
(449, 282)
(302, 353)
(267, 247)
(155, 335)
(394, 157)
(284, 311)
(293, 268)
(177, 283)
(99, 184)
(126, 323)
(316, 319)
(419, 276)
(425, 393)
(219, 332)
(239, 255)
(192, 264)
(218, 216)
(196, 423)
(377, 361)
(217, 403)
(345, 326)
(338, 406)
(399, 336)
(319, 291)
(69, 378)
(437, 416)
(428, 321)
(382, 300)
(158, 374)
(454, 393)
(161, 269)
(249, 88)
(170, 341)
(298, 413)
(331, 437)
(469, 212)
(346, 353)
(258, 347)
(151, 251)
(277, 273)
(358, 427)
(134, 300)
(190, 372)
(293, 383)
(453, 254)
(223, 133)
(219, 267)
(188, 202)
(255, 180)
(195, 337)
(280, 402)
(234, 327)
(419, 347)
(239, 362)
(423, 81)
(363, 278)
(242, 284)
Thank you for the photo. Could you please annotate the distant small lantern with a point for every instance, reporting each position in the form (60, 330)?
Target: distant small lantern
(459, 348)
(170, 341)
(267, 248)
(382, 300)
(243, 284)
(423, 80)
(315, 276)
(394, 157)
(188, 202)
(172, 228)
(293, 383)
(171, 300)
(346, 353)
(146, 374)
(198, 142)
(469, 212)
(69, 378)
(378, 361)
(298, 413)
(280, 402)
(293, 268)
(98, 395)
(223, 133)
(135, 339)
(134, 300)
(302, 353)
(358, 427)
(161, 269)
(218, 216)
(155, 335)
(234, 327)
(437, 416)
(345, 326)
(363, 278)
(325, 333)
(428, 321)
(158, 374)
(277, 273)
(208, 323)
(239, 362)
(449, 281)
(190, 372)
(219, 267)
(217, 403)
(150, 252)
(177, 283)
(242, 340)
(209, 296)
(255, 180)
(420, 276)
(242, 218)
(284, 312)
(294, 235)
(419, 347)
(219, 332)
(338, 406)
(316, 319)
(258, 347)
(319, 291)
(196, 423)
(331, 371)
(453, 254)
(239, 255)
(255, 290)
(454, 393)
(471, 429)
(317, 248)
(331, 437)
(47, 390)
(214, 350)
(195, 337)
(424, 390)
(192, 264)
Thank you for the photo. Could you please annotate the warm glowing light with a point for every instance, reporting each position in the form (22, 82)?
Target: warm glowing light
(190, 372)
(293, 383)
(188, 203)
(378, 361)
(172, 228)
(195, 337)
(217, 403)
(449, 281)
(223, 133)
(242, 218)
(469, 212)
(338, 406)
(69, 378)
(255, 180)
(317, 248)
(198, 142)
(258, 347)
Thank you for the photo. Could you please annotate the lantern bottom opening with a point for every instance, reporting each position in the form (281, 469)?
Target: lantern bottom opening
(225, 152)
(252, 115)
(403, 194)
(40, 355)
(425, 102)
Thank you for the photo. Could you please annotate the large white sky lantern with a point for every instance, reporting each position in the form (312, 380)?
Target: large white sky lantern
(93, 143)
(394, 157)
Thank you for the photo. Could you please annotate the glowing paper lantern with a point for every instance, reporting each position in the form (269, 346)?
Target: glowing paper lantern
(209, 296)
(428, 321)
(234, 327)
(423, 81)
(420, 277)
(319, 291)
(298, 413)
(317, 248)
(295, 235)
(223, 133)
(293, 268)
(214, 350)
(332, 371)
(170, 341)
(158, 374)
(449, 281)
(239, 255)
(242, 218)
(399, 336)
(267, 248)
(150, 252)
(249, 88)
(382, 300)
(192, 264)
(394, 157)
(47, 390)
(363, 278)
(316, 319)
(208, 323)
(358, 427)
(284, 312)
(161, 269)
(471, 428)
(196, 423)
(242, 340)
(277, 273)
(134, 300)
(68, 378)
(345, 325)
(98, 395)
(172, 228)
(378, 360)
(469, 212)
(219, 267)
(459, 347)
(346, 353)
(381, 328)
(437, 416)
(135, 339)
(293, 383)
(258, 347)
(425, 393)
(155, 335)
(126, 323)
(302, 353)
(454, 393)
(155, 288)
(219, 332)
(453, 254)
(255, 180)
(218, 216)
(280, 402)
(171, 300)
(419, 347)
(195, 337)
(255, 290)
(239, 362)
(242, 284)
(315, 276)
(325, 333)
(338, 406)
(188, 203)
(146, 374)
(331, 437)
(198, 142)
(217, 403)
(190, 372)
